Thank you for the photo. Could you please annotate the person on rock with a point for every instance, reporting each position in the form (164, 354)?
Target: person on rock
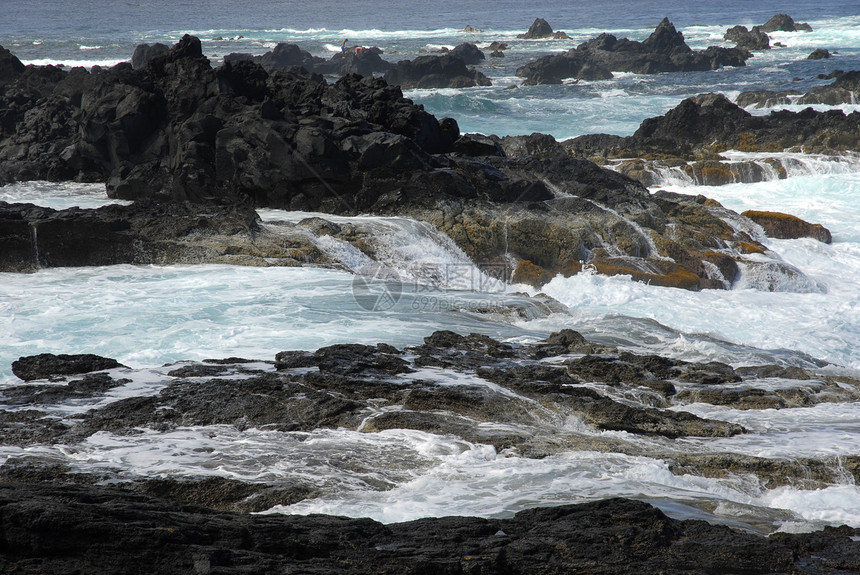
(343, 46)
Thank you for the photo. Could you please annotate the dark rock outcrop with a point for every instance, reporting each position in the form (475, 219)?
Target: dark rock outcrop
(46, 365)
(145, 232)
(283, 55)
(663, 51)
(785, 23)
(819, 54)
(754, 39)
(143, 53)
(61, 529)
(181, 131)
(468, 53)
(446, 71)
(360, 60)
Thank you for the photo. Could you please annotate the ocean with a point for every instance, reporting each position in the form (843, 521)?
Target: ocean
(149, 316)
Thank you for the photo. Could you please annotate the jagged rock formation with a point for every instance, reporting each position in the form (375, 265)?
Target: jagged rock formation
(663, 51)
(843, 90)
(692, 135)
(757, 38)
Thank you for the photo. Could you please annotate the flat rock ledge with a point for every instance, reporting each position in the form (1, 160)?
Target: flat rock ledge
(48, 529)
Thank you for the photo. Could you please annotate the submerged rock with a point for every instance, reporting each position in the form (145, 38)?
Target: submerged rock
(45, 365)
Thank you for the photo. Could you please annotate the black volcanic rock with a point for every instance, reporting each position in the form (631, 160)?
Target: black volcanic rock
(180, 133)
(784, 23)
(819, 54)
(45, 365)
(663, 51)
(712, 122)
(754, 39)
(540, 28)
(446, 71)
(468, 53)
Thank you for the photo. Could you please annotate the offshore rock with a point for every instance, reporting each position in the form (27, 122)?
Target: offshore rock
(785, 23)
(663, 51)
(754, 39)
(707, 124)
(468, 53)
(446, 71)
(540, 28)
(45, 365)
(841, 91)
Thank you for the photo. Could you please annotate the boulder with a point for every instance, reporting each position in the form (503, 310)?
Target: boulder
(46, 365)
(819, 54)
(468, 53)
(143, 53)
(784, 226)
(663, 51)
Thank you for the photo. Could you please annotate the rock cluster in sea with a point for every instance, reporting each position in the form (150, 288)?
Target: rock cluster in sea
(514, 397)
(756, 38)
(176, 135)
(663, 51)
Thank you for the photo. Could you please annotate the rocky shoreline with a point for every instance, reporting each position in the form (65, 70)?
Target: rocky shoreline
(59, 519)
(198, 150)
(176, 130)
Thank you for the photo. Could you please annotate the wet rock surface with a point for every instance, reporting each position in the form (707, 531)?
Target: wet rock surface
(374, 388)
(785, 226)
(175, 135)
(446, 71)
(519, 399)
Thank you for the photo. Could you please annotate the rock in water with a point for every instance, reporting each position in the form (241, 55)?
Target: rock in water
(784, 226)
(45, 365)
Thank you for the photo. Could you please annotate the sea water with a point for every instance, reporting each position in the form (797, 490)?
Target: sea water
(147, 316)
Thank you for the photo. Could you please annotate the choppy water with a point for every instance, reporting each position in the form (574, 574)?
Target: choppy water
(145, 316)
